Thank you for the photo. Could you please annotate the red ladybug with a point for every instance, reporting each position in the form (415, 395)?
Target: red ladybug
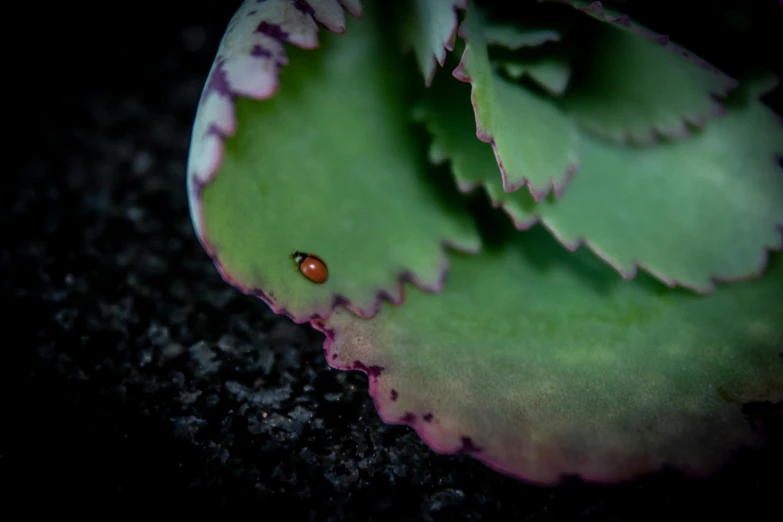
(312, 267)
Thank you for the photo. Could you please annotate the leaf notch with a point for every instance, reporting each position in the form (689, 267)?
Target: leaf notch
(250, 68)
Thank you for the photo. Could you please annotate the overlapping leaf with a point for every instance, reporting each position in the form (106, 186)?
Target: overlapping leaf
(689, 212)
(596, 10)
(541, 363)
(513, 37)
(550, 73)
(638, 89)
(633, 89)
(329, 166)
(550, 70)
(534, 143)
(248, 64)
(430, 27)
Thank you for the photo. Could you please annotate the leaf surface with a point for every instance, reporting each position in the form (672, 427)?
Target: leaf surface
(513, 37)
(550, 73)
(248, 64)
(690, 212)
(430, 27)
(534, 143)
(542, 363)
(596, 10)
(329, 166)
(630, 88)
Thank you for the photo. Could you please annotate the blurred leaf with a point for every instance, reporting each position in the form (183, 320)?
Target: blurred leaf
(430, 27)
(514, 37)
(534, 143)
(550, 73)
(629, 88)
(543, 363)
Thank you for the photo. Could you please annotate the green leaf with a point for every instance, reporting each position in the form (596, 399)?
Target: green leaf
(542, 363)
(596, 10)
(550, 73)
(534, 143)
(634, 89)
(514, 37)
(689, 212)
(430, 27)
(248, 64)
(330, 167)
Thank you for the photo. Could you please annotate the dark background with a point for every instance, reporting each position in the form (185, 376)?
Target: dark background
(136, 378)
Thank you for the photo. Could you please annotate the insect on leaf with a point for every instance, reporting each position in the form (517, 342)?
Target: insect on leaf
(327, 166)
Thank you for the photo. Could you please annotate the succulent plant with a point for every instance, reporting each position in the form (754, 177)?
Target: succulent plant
(544, 232)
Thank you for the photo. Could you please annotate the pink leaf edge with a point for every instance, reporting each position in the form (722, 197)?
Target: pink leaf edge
(440, 58)
(253, 72)
(427, 426)
(655, 133)
(397, 297)
(248, 64)
(467, 188)
(461, 74)
(672, 283)
(596, 10)
(687, 121)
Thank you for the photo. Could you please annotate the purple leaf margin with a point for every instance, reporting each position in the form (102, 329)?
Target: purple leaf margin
(248, 64)
(599, 12)
(553, 186)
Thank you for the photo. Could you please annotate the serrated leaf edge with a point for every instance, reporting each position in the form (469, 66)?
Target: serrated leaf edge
(396, 298)
(215, 123)
(439, 59)
(461, 74)
(427, 426)
(655, 133)
(436, 157)
(596, 10)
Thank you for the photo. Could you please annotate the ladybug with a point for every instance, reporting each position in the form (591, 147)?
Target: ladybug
(312, 267)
